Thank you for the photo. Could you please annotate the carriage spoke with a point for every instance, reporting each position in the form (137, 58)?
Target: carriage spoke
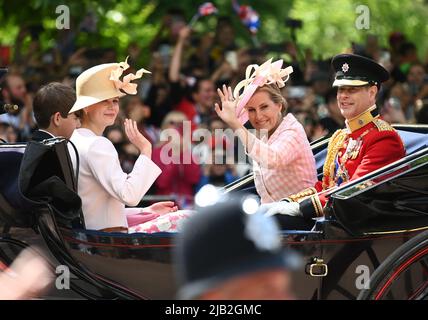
(423, 288)
(345, 293)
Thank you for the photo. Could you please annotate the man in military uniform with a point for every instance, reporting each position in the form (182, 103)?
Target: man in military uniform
(366, 144)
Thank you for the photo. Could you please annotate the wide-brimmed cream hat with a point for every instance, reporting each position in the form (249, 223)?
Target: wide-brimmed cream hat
(102, 82)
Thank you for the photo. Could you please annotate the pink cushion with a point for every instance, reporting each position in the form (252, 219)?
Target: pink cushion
(140, 218)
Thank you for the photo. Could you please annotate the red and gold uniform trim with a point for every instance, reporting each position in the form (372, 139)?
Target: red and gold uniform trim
(367, 143)
(335, 144)
(301, 195)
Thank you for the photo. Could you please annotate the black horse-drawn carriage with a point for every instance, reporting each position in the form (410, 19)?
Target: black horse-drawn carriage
(371, 244)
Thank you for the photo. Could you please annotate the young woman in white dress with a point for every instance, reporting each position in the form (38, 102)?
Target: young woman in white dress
(104, 188)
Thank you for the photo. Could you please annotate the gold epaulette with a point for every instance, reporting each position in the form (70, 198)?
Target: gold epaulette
(382, 125)
(302, 194)
(334, 145)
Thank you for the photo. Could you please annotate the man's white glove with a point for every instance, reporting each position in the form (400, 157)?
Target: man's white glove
(281, 207)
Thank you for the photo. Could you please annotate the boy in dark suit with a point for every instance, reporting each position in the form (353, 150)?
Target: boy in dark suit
(51, 105)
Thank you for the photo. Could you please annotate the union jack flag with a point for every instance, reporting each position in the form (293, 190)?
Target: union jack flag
(248, 16)
(207, 9)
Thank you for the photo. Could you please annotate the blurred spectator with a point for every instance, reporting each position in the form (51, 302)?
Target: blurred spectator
(172, 120)
(8, 133)
(158, 96)
(407, 56)
(422, 115)
(198, 105)
(224, 41)
(397, 108)
(396, 39)
(180, 172)
(136, 110)
(333, 109)
(292, 50)
(168, 33)
(116, 135)
(392, 111)
(233, 67)
(295, 96)
(198, 61)
(203, 95)
(244, 261)
(219, 172)
(308, 122)
(372, 48)
(15, 92)
(331, 122)
(416, 89)
(128, 154)
(320, 83)
(28, 277)
(134, 51)
(417, 80)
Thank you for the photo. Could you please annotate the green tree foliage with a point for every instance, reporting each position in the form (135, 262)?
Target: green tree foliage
(328, 26)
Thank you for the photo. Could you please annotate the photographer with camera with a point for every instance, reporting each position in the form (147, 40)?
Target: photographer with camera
(16, 104)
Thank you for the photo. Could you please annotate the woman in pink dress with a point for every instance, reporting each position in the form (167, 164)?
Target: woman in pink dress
(283, 163)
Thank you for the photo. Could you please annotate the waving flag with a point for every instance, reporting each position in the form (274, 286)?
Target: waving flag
(205, 9)
(248, 16)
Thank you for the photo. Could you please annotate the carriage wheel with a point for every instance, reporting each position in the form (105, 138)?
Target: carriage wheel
(403, 275)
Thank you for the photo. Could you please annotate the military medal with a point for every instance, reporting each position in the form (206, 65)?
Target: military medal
(342, 174)
(353, 149)
(350, 148)
(356, 149)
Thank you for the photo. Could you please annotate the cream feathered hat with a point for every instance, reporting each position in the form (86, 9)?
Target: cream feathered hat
(102, 82)
(258, 76)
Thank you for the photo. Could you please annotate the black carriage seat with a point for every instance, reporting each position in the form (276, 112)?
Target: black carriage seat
(35, 179)
(12, 200)
(412, 142)
(34, 175)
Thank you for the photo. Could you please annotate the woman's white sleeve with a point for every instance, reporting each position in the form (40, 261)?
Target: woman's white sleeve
(129, 188)
(132, 211)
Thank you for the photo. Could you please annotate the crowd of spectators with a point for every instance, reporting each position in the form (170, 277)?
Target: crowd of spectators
(187, 67)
